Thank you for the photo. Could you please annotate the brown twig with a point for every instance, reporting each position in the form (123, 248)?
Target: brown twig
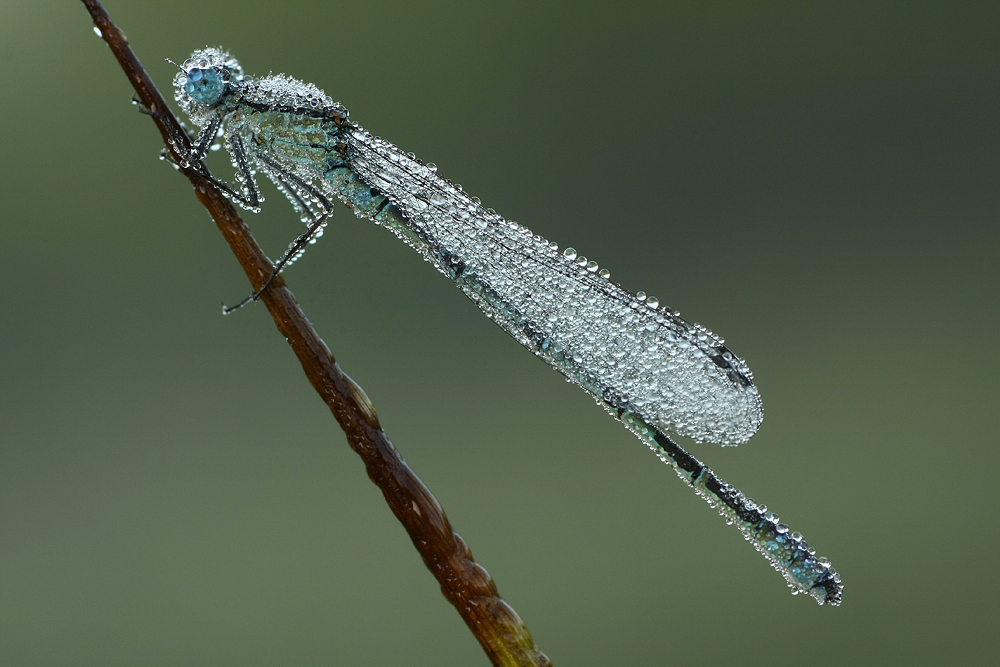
(465, 583)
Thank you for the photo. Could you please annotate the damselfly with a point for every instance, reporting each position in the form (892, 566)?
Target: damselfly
(652, 370)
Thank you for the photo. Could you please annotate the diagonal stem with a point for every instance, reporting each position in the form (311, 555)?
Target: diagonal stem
(465, 583)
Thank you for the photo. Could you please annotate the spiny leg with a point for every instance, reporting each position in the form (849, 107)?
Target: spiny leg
(177, 141)
(249, 182)
(196, 155)
(205, 137)
(286, 178)
(296, 246)
(291, 177)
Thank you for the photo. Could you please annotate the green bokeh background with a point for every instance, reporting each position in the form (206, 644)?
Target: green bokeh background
(815, 181)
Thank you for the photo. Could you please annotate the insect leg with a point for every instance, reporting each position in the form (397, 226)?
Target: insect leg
(196, 155)
(292, 184)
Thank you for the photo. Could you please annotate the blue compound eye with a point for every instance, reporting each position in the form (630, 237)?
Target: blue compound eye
(205, 86)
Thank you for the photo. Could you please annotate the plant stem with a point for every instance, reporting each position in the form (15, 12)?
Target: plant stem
(465, 583)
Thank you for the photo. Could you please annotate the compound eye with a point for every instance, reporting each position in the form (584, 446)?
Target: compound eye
(205, 85)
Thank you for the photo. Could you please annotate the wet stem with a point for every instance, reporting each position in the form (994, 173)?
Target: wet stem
(465, 584)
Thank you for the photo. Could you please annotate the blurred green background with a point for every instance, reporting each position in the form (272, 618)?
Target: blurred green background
(816, 182)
